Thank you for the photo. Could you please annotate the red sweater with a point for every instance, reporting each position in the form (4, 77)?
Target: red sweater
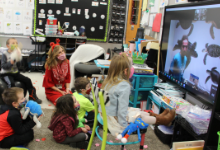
(63, 126)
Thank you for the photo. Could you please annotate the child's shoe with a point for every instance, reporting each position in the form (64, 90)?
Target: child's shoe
(33, 96)
(81, 145)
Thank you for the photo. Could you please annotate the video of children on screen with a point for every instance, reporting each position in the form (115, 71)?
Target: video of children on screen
(193, 54)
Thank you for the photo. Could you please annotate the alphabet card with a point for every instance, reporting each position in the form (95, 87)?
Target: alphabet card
(7, 14)
(27, 29)
(21, 3)
(2, 3)
(8, 27)
(27, 15)
(10, 3)
(17, 15)
(30, 4)
(18, 28)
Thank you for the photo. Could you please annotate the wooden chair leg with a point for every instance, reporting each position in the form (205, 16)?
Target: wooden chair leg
(142, 141)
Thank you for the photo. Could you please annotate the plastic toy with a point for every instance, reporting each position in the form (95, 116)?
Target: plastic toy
(16, 53)
(136, 126)
(33, 109)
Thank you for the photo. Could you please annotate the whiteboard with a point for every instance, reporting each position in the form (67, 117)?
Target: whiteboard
(16, 17)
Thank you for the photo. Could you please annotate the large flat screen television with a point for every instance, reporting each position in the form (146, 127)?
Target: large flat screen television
(191, 42)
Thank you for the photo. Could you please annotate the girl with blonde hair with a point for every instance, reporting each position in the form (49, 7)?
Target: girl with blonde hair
(57, 75)
(118, 86)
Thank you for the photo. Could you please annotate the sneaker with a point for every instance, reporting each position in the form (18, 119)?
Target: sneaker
(33, 96)
(81, 145)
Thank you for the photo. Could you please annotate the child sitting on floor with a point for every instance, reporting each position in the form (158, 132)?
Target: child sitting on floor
(13, 130)
(65, 123)
(82, 85)
(118, 86)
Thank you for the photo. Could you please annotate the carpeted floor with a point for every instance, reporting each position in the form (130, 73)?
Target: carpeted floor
(151, 139)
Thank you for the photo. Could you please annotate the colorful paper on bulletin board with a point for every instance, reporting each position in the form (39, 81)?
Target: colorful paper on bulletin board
(144, 6)
(163, 3)
(180, 1)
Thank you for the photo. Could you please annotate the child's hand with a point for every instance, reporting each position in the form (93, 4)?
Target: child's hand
(87, 127)
(84, 130)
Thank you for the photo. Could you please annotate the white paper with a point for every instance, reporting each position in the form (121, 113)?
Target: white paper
(8, 27)
(94, 3)
(51, 1)
(42, 2)
(86, 11)
(59, 1)
(41, 15)
(1, 13)
(180, 1)
(78, 11)
(152, 16)
(18, 28)
(10, 3)
(2, 3)
(103, 3)
(100, 27)
(27, 15)
(163, 3)
(155, 8)
(20, 3)
(74, 0)
(27, 29)
(103, 62)
(145, 18)
(30, 4)
(1, 26)
(74, 10)
(8, 14)
(18, 15)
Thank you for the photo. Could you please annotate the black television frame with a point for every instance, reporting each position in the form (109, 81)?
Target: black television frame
(162, 63)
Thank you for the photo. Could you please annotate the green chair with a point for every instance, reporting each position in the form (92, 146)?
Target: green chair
(103, 99)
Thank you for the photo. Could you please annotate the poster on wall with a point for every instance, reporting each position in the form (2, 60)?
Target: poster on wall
(1, 13)
(1, 26)
(17, 15)
(30, 4)
(51, 2)
(18, 28)
(7, 14)
(42, 1)
(27, 29)
(8, 28)
(59, 1)
(180, 1)
(20, 3)
(27, 15)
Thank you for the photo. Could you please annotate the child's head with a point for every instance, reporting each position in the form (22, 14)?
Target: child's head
(82, 85)
(119, 69)
(54, 55)
(10, 42)
(67, 105)
(14, 97)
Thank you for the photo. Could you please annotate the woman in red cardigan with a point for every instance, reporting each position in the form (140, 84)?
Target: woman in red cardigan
(57, 75)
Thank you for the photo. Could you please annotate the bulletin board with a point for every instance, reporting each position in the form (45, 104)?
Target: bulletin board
(74, 12)
(16, 17)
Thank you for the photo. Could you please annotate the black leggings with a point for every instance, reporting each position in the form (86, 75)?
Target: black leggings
(15, 139)
(10, 79)
(77, 138)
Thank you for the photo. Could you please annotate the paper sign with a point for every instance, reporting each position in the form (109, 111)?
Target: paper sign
(27, 15)
(103, 3)
(40, 22)
(67, 14)
(20, 3)
(59, 1)
(27, 29)
(51, 1)
(10, 3)
(41, 15)
(48, 15)
(7, 14)
(18, 16)
(74, 10)
(78, 11)
(42, 2)
(95, 3)
(74, 0)
(18, 28)
(1, 27)
(86, 11)
(8, 27)
(30, 4)
(1, 12)
(67, 9)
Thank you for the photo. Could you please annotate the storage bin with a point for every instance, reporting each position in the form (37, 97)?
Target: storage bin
(50, 33)
(148, 81)
(51, 29)
(52, 21)
(142, 95)
(51, 26)
(164, 138)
